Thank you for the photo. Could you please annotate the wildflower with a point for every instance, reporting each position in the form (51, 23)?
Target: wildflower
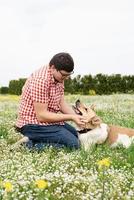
(8, 186)
(104, 162)
(41, 184)
(0, 182)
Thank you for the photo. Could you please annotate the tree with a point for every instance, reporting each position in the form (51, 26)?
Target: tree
(15, 86)
(4, 90)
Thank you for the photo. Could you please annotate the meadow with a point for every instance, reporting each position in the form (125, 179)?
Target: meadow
(61, 174)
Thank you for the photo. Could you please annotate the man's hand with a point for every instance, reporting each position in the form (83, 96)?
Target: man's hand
(79, 120)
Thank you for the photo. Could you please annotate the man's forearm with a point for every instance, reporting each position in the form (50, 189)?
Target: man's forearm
(65, 108)
(53, 117)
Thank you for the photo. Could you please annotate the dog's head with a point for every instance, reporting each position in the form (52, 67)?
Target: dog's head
(88, 113)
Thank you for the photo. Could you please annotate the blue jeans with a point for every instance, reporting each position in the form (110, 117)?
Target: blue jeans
(41, 136)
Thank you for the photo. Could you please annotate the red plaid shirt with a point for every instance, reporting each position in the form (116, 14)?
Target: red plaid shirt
(42, 88)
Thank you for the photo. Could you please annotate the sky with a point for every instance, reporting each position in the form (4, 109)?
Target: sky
(99, 34)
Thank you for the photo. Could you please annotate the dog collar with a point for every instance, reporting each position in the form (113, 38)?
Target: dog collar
(84, 131)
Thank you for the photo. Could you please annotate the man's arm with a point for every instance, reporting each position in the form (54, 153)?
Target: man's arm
(65, 108)
(43, 115)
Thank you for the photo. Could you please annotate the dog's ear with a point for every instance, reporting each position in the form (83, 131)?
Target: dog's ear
(96, 121)
(93, 106)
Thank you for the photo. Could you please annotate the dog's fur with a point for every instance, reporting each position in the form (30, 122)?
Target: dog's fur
(96, 132)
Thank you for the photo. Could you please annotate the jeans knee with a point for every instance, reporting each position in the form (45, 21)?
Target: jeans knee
(75, 144)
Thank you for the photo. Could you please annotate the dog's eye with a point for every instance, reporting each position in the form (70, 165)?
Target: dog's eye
(86, 109)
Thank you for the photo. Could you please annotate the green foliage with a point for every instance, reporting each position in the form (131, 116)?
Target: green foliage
(15, 86)
(4, 90)
(101, 84)
(92, 92)
(85, 85)
(3, 131)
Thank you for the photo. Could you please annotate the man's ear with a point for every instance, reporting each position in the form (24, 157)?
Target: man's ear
(53, 67)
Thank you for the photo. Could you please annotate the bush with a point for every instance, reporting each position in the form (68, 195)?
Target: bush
(4, 90)
(15, 86)
(92, 92)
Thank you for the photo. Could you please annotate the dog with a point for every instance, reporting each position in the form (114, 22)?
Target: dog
(97, 132)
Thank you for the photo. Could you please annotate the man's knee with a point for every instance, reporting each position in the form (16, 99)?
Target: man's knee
(76, 146)
(73, 144)
(71, 129)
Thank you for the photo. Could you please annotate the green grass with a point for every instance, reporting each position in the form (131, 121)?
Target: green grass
(70, 174)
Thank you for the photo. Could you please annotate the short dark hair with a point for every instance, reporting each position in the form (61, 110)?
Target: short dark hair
(62, 61)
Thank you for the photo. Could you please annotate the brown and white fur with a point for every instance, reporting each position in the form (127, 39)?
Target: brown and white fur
(96, 132)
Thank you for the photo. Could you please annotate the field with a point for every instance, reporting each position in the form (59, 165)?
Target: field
(60, 174)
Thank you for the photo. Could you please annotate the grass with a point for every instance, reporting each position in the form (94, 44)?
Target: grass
(69, 174)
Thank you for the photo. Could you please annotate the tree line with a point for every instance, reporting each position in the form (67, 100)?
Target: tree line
(85, 85)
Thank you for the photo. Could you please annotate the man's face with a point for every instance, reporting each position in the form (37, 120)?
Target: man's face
(60, 75)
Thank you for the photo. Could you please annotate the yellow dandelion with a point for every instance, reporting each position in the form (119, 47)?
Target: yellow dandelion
(104, 162)
(41, 184)
(8, 186)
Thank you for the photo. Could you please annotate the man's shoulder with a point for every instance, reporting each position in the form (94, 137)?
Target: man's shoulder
(41, 72)
(40, 75)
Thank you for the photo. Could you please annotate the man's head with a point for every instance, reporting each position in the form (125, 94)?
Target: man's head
(62, 65)
(62, 61)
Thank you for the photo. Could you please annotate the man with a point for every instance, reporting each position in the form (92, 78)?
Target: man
(43, 110)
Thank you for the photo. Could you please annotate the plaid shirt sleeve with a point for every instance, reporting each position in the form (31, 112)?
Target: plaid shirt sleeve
(39, 90)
